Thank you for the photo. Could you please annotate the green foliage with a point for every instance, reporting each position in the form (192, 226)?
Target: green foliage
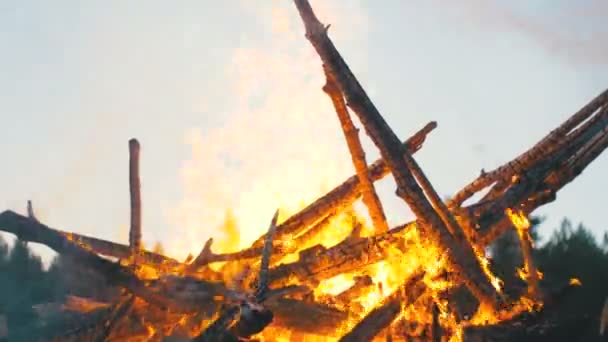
(569, 253)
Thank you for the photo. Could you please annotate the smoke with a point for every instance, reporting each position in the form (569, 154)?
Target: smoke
(573, 30)
(281, 144)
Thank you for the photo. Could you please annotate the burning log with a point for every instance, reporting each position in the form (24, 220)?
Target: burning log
(321, 263)
(462, 256)
(382, 316)
(351, 133)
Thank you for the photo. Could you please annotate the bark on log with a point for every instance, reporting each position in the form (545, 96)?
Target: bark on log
(462, 257)
(135, 192)
(351, 134)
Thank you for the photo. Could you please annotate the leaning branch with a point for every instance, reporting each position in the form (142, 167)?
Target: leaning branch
(351, 134)
(462, 258)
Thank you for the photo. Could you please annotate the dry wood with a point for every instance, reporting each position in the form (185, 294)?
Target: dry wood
(351, 134)
(530, 156)
(383, 315)
(462, 257)
(135, 192)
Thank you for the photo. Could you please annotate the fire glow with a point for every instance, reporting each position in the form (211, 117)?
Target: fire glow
(325, 274)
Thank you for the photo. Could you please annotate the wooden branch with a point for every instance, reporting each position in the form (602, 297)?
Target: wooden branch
(30, 211)
(263, 280)
(120, 251)
(522, 225)
(343, 195)
(530, 156)
(135, 192)
(351, 134)
(385, 313)
(463, 259)
(528, 184)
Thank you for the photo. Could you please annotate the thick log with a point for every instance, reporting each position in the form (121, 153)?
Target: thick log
(383, 315)
(351, 134)
(461, 256)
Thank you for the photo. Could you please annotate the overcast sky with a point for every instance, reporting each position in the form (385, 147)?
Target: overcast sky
(225, 98)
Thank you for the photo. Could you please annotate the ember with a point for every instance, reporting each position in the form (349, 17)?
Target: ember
(323, 274)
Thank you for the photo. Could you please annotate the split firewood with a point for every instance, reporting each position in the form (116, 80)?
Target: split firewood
(351, 134)
(461, 256)
(383, 315)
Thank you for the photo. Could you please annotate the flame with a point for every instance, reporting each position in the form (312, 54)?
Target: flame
(575, 282)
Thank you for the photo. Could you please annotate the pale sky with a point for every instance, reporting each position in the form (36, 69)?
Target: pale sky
(225, 98)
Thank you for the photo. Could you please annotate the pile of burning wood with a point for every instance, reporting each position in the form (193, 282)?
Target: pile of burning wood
(428, 279)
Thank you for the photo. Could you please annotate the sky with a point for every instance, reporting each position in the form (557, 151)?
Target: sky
(225, 98)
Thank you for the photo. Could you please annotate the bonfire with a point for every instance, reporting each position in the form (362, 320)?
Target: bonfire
(323, 274)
